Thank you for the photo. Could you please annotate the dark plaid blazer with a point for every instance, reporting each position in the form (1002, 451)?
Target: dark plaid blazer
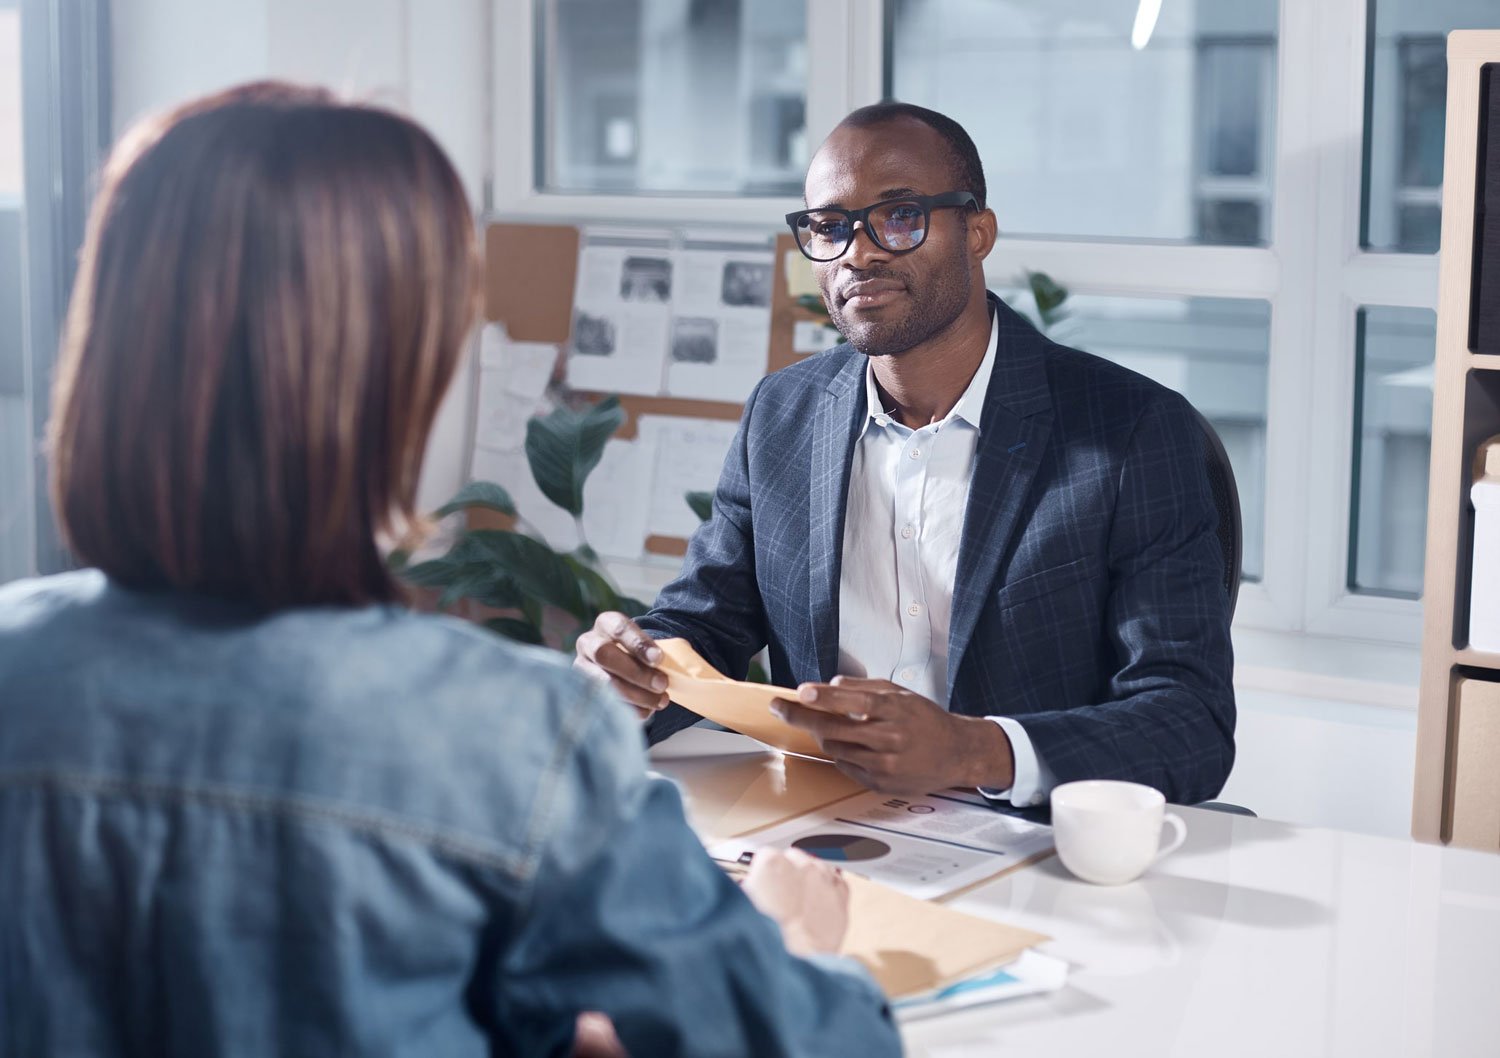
(1089, 597)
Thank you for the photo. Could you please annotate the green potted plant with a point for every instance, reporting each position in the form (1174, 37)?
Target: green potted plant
(533, 593)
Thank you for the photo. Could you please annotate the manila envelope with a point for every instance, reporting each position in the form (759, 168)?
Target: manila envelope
(913, 946)
(742, 707)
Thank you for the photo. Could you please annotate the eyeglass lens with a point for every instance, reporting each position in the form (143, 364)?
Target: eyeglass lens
(896, 226)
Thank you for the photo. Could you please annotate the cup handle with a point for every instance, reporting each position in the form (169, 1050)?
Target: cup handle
(1174, 821)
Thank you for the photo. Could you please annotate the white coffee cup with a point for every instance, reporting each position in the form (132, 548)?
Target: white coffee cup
(1109, 832)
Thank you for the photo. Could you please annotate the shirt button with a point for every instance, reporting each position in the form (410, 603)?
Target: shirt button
(914, 610)
(881, 420)
(916, 453)
(908, 674)
(906, 532)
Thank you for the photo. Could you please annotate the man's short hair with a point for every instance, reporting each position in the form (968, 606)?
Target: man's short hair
(967, 168)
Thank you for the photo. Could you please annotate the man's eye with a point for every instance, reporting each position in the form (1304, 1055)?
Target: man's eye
(830, 228)
(906, 213)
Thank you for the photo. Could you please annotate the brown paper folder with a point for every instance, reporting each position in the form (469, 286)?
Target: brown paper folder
(742, 707)
(912, 946)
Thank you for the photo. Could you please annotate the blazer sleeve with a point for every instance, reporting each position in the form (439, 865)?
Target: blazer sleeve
(627, 915)
(715, 603)
(1167, 716)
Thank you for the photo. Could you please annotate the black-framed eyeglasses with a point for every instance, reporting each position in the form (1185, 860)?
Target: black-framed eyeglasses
(897, 225)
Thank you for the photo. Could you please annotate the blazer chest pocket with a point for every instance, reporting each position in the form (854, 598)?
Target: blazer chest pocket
(1043, 582)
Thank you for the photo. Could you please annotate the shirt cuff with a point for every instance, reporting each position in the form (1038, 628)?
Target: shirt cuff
(1032, 781)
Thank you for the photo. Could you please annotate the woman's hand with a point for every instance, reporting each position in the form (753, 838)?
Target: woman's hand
(808, 898)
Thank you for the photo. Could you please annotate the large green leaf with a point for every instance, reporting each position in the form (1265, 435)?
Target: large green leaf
(702, 504)
(484, 494)
(438, 573)
(515, 628)
(566, 445)
(537, 571)
(598, 593)
(465, 572)
(1049, 296)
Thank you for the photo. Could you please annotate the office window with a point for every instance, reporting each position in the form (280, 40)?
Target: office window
(1234, 112)
(1214, 351)
(1407, 80)
(15, 420)
(1180, 179)
(1083, 134)
(51, 130)
(1392, 432)
(672, 96)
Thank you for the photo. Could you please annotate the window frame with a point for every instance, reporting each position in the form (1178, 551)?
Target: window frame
(1301, 617)
(65, 108)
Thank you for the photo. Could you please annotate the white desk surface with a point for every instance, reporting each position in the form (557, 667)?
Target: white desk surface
(1257, 938)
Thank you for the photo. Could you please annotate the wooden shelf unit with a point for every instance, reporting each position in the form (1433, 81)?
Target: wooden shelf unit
(1457, 793)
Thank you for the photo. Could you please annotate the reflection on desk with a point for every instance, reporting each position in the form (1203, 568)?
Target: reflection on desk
(1256, 938)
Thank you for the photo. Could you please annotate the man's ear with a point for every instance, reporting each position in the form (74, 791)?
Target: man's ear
(984, 229)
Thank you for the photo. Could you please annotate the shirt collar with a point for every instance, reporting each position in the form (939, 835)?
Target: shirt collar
(970, 406)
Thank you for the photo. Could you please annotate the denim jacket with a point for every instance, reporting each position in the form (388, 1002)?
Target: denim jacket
(357, 831)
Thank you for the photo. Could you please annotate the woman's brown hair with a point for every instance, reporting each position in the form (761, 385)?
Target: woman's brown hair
(273, 295)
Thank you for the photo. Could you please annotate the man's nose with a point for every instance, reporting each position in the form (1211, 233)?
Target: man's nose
(863, 252)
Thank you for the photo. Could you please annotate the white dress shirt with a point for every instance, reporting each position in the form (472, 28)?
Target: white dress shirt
(907, 494)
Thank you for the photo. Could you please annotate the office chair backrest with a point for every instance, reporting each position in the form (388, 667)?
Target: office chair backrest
(1227, 501)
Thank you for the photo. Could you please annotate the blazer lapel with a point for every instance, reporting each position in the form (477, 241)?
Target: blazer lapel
(1014, 430)
(835, 425)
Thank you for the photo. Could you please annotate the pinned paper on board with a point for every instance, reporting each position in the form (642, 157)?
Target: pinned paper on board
(742, 707)
(689, 456)
(513, 379)
(721, 323)
(621, 319)
(810, 336)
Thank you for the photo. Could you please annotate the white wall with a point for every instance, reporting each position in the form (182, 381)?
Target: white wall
(1325, 762)
(427, 59)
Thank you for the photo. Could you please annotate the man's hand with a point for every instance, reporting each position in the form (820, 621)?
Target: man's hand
(615, 649)
(895, 741)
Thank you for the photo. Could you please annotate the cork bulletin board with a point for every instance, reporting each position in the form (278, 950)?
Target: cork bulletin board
(531, 271)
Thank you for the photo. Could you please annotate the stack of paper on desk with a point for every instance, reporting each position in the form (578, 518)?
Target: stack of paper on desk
(928, 847)
(742, 707)
(1029, 975)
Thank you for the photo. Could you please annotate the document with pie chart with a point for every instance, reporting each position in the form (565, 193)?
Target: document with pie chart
(926, 846)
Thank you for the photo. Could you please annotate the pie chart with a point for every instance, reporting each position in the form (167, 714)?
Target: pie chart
(842, 848)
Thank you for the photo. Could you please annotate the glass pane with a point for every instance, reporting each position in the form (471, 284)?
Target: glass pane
(1392, 430)
(1235, 223)
(15, 421)
(673, 96)
(1214, 351)
(1407, 93)
(1419, 227)
(1082, 133)
(1232, 88)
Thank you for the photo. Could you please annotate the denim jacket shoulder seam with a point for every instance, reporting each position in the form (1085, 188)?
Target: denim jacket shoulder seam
(459, 846)
(575, 724)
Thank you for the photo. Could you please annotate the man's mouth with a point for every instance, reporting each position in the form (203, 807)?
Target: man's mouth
(871, 293)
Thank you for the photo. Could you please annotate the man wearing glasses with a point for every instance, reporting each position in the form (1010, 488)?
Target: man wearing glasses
(983, 559)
